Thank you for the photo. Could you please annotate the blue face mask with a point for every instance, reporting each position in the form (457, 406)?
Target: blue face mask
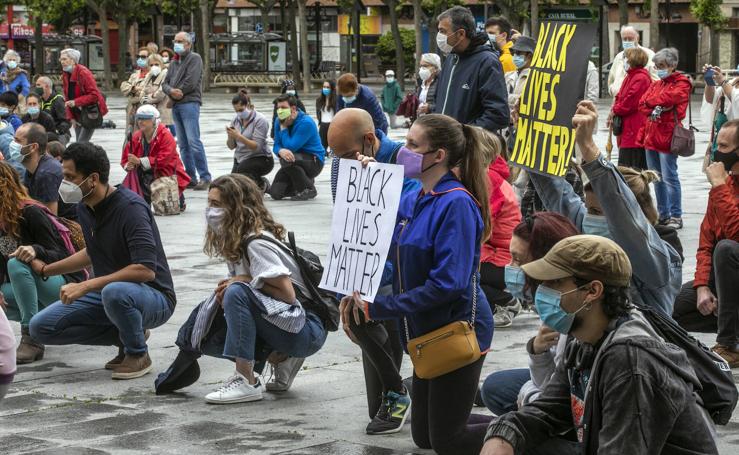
(515, 280)
(596, 225)
(179, 48)
(519, 61)
(326, 91)
(34, 110)
(547, 303)
(349, 99)
(628, 44)
(14, 150)
(68, 68)
(141, 62)
(662, 74)
(4, 111)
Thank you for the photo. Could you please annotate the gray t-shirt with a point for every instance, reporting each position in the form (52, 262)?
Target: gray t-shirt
(256, 129)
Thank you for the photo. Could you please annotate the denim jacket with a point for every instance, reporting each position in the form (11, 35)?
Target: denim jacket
(656, 266)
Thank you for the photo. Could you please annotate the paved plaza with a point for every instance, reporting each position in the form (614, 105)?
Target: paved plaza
(67, 403)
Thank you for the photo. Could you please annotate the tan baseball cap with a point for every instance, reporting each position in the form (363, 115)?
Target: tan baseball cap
(589, 257)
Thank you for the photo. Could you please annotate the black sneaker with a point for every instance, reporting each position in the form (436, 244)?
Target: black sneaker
(192, 184)
(663, 221)
(676, 223)
(391, 416)
(305, 195)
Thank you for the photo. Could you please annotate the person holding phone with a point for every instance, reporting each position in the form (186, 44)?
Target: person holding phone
(720, 103)
(247, 137)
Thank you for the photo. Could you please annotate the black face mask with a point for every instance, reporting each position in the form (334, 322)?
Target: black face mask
(728, 159)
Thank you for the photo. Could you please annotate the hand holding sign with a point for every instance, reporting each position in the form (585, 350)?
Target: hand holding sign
(585, 121)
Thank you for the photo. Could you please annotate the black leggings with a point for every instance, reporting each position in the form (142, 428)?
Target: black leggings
(492, 282)
(295, 177)
(323, 132)
(254, 167)
(686, 314)
(440, 415)
(382, 355)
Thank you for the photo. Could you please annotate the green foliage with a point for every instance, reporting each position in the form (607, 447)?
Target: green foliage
(708, 13)
(385, 49)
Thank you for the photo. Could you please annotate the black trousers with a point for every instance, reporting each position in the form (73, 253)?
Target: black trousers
(323, 132)
(632, 157)
(492, 282)
(254, 167)
(440, 415)
(295, 177)
(725, 287)
(382, 355)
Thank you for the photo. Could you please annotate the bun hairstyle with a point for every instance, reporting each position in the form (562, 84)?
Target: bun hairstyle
(242, 97)
(465, 147)
(638, 182)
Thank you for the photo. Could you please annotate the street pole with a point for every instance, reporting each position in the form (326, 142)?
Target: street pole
(318, 37)
(10, 26)
(667, 24)
(357, 39)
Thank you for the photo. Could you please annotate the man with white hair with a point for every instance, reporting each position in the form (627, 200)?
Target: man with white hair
(53, 104)
(183, 85)
(629, 39)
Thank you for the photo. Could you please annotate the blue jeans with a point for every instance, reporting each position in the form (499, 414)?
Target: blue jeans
(500, 390)
(668, 191)
(118, 314)
(187, 123)
(246, 324)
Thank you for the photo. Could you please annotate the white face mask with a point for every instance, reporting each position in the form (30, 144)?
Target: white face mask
(389, 79)
(442, 44)
(424, 74)
(214, 217)
(165, 59)
(155, 71)
(71, 193)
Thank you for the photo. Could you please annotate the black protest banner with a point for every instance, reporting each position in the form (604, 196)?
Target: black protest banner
(545, 138)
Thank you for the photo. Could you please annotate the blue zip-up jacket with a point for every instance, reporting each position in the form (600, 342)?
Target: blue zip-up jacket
(20, 85)
(435, 254)
(656, 266)
(300, 137)
(366, 100)
(14, 120)
(471, 88)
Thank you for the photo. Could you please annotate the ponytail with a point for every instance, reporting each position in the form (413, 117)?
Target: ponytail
(473, 167)
(242, 97)
(638, 182)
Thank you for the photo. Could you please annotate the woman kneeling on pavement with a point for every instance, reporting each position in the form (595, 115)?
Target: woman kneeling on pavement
(436, 255)
(152, 152)
(26, 235)
(259, 299)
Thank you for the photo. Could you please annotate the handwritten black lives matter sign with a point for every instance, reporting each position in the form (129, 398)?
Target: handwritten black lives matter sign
(364, 217)
(545, 138)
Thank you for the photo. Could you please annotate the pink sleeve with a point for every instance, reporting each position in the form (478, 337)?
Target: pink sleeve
(7, 348)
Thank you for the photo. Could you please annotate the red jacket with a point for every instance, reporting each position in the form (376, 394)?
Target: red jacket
(163, 156)
(672, 92)
(505, 215)
(721, 222)
(626, 105)
(86, 91)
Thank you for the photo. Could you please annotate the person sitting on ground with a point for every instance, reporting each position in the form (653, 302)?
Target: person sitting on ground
(53, 104)
(152, 152)
(299, 148)
(7, 355)
(504, 390)
(260, 297)
(8, 105)
(13, 78)
(36, 115)
(353, 94)
(132, 290)
(27, 236)
(710, 301)
(391, 97)
(505, 215)
(615, 365)
(353, 136)
(55, 149)
(247, 137)
(167, 56)
(43, 174)
(619, 205)
(290, 89)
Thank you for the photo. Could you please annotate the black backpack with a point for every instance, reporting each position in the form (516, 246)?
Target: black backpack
(719, 393)
(323, 304)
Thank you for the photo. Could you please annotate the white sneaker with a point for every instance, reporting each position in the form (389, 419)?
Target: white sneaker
(236, 389)
(502, 318)
(284, 374)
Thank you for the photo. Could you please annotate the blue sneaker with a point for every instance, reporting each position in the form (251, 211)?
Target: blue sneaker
(392, 414)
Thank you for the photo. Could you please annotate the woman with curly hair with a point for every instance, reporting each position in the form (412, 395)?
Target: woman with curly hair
(259, 298)
(27, 237)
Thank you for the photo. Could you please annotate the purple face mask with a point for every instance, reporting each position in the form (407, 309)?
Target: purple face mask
(412, 162)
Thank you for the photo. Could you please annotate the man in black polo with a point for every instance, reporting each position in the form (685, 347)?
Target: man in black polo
(132, 290)
(53, 104)
(43, 173)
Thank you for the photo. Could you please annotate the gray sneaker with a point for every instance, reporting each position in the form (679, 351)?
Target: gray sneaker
(283, 374)
(502, 318)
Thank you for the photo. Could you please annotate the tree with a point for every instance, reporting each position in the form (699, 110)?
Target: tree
(265, 6)
(394, 29)
(294, 58)
(418, 17)
(304, 52)
(708, 13)
(100, 7)
(654, 24)
(386, 49)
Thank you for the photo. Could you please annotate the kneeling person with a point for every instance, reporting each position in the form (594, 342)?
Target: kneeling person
(132, 290)
(621, 387)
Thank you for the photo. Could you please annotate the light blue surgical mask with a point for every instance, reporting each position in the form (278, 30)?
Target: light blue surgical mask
(596, 225)
(326, 91)
(14, 150)
(68, 68)
(141, 62)
(4, 111)
(12, 64)
(628, 44)
(519, 61)
(548, 303)
(662, 74)
(34, 111)
(515, 280)
(179, 48)
(349, 99)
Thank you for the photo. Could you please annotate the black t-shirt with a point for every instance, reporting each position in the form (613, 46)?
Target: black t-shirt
(43, 186)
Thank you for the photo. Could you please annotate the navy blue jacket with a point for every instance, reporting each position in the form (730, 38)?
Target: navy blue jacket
(367, 101)
(435, 253)
(300, 137)
(471, 88)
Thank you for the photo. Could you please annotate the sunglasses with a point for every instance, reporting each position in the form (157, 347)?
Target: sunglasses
(143, 56)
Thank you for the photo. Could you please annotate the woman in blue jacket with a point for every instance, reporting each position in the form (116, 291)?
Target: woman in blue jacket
(436, 256)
